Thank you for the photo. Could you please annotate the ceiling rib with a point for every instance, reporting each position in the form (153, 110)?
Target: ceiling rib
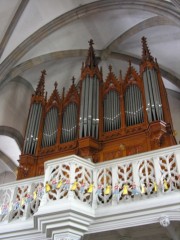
(18, 70)
(163, 8)
(148, 23)
(8, 161)
(12, 25)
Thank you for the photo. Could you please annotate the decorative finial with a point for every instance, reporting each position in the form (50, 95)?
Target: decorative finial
(91, 59)
(73, 80)
(120, 74)
(110, 68)
(129, 63)
(55, 85)
(146, 54)
(91, 42)
(63, 93)
(41, 85)
(43, 72)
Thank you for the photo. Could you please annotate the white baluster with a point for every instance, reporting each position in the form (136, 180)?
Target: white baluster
(47, 171)
(13, 198)
(114, 182)
(157, 169)
(72, 180)
(28, 206)
(135, 167)
(177, 156)
(94, 196)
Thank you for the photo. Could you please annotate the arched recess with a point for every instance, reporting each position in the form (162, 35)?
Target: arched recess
(12, 133)
(14, 104)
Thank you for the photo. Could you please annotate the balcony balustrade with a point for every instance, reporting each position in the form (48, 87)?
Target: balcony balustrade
(75, 196)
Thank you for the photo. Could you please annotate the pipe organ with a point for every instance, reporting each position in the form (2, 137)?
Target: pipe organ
(96, 119)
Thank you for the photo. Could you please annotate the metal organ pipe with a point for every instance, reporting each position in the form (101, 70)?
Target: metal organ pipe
(159, 103)
(97, 107)
(27, 136)
(89, 111)
(32, 126)
(152, 94)
(36, 129)
(133, 106)
(69, 125)
(111, 111)
(90, 107)
(150, 86)
(148, 103)
(31, 137)
(50, 128)
(127, 107)
(81, 120)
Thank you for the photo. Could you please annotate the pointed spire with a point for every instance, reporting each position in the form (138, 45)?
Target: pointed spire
(73, 80)
(63, 92)
(55, 85)
(129, 63)
(146, 54)
(41, 85)
(110, 68)
(120, 75)
(91, 59)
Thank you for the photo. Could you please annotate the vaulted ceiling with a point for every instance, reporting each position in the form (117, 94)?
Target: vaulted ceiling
(54, 35)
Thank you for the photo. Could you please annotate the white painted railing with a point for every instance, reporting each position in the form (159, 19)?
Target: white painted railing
(122, 180)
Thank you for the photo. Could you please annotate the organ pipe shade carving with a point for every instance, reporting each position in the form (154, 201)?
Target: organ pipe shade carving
(31, 137)
(89, 110)
(112, 115)
(152, 94)
(133, 105)
(69, 126)
(50, 128)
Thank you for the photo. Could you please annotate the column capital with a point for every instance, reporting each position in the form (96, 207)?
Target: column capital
(66, 236)
(164, 221)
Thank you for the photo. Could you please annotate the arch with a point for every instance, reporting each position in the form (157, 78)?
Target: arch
(77, 13)
(148, 23)
(13, 133)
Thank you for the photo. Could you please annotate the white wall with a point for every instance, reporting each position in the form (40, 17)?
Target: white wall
(6, 177)
(174, 104)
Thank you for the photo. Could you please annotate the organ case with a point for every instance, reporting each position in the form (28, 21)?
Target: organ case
(96, 119)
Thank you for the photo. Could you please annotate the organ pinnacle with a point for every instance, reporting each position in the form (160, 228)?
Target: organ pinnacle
(91, 58)
(41, 85)
(146, 54)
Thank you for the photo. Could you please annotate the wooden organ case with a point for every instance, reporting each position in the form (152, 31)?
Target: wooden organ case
(96, 119)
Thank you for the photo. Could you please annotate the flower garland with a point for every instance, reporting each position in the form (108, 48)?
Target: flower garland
(126, 191)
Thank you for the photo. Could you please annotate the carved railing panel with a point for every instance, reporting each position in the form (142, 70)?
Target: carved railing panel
(169, 172)
(125, 180)
(18, 207)
(104, 186)
(83, 176)
(58, 183)
(5, 202)
(146, 176)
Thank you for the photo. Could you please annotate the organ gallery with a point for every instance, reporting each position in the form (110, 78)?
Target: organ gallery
(98, 119)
